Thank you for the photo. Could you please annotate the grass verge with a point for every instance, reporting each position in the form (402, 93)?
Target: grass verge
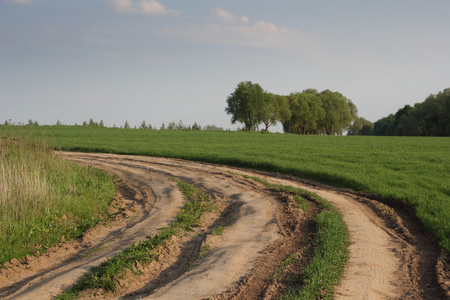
(105, 275)
(44, 197)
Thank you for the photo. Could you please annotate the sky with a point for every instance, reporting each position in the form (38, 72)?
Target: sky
(172, 60)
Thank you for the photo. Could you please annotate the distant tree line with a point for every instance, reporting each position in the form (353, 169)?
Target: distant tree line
(308, 112)
(144, 125)
(429, 118)
(180, 126)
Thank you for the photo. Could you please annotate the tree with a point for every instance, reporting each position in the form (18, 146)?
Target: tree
(384, 126)
(180, 125)
(429, 118)
(434, 114)
(311, 112)
(126, 126)
(172, 126)
(268, 112)
(290, 125)
(338, 112)
(406, 124)
(196, 126)
(213, 128)
(101, 125)
(306, 112)
(361, 126)
(284, 113)
(245, 105)
(354, 114)
(143, 125)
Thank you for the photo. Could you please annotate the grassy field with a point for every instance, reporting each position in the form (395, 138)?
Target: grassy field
(415, 169)
(44, 197)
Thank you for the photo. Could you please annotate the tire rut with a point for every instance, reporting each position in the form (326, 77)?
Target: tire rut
(387, 260)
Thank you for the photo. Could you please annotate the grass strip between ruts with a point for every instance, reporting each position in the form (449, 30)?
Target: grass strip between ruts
(331, 252)
(104, 275)
(330, 256)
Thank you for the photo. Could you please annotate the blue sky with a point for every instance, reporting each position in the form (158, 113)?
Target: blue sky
(162, 61)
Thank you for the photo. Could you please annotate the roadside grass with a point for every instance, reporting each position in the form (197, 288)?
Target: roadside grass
(44, 197)
(106, 274)
(411, 169)
(330, 255)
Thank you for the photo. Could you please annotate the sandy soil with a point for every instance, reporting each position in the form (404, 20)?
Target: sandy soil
(391, 257)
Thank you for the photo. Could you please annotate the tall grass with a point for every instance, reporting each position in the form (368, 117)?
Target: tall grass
(44, 197)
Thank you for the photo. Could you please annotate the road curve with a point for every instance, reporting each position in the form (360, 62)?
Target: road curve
(384, 262)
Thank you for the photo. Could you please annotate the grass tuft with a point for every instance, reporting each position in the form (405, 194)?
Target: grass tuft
(219, 230)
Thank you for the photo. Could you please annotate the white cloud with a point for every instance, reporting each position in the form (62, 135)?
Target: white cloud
(143, 7)
(225, 28)
(19, 2)
(222, 14)
(245, 19)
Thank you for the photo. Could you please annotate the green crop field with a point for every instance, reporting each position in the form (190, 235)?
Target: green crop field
(414, 169)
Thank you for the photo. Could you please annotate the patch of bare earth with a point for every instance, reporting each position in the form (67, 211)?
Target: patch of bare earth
(391, 257)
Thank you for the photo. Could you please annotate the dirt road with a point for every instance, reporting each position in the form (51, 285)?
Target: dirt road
(390, 255)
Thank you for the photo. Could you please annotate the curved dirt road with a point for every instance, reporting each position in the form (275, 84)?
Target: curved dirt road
(386, 262)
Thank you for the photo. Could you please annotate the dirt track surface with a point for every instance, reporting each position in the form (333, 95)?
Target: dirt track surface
(390, 256)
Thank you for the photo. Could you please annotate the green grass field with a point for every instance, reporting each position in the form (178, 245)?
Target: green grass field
(415, 169)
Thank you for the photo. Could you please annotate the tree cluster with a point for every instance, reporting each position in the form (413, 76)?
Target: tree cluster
(429, 118)
(308, 112)
(361, 126)
(93, 124)
(180, 126)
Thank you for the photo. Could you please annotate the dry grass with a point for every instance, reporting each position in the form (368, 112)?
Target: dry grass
(23, 185)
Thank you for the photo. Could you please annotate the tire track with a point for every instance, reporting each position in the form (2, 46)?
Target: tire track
(385, 263)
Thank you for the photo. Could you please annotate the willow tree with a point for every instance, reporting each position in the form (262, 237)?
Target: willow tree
(306, 113)
(340, 112)
(245, 104)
